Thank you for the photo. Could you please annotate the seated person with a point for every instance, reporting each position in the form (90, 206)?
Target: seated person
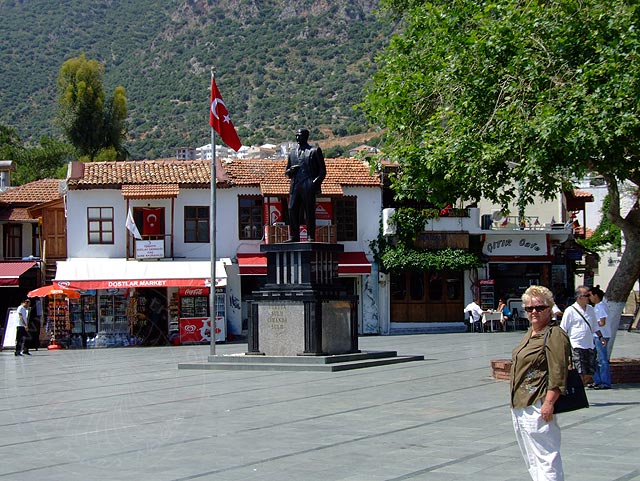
(506, 313)
(475, 314)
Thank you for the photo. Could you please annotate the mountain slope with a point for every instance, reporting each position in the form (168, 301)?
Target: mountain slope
(279, 64)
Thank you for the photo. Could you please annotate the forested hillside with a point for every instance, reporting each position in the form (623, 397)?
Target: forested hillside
(279, 64)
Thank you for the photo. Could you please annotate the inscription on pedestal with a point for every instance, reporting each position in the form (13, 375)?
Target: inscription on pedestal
(281, 329)
(336, 327)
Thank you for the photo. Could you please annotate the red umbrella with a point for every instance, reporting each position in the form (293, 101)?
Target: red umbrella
(54, 291)
(46, 291)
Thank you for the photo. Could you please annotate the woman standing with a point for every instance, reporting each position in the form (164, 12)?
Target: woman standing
(538, 376)
(601, 337)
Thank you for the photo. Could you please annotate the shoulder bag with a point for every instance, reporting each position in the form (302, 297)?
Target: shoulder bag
(575, 398)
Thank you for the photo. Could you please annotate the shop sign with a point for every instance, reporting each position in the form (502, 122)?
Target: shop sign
(272, 211)
(198, 330)
(442, 240)
(195, 330)
(150, 249)
(324, 210)
(515, 245)
(194, 291)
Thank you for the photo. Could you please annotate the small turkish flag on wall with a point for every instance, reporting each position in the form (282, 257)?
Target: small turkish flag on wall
(220, 121)
(152, 221)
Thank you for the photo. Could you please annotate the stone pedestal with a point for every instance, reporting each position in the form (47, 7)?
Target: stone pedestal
(302, 311)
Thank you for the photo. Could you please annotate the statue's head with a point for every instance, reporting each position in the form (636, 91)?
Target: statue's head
(302, 135)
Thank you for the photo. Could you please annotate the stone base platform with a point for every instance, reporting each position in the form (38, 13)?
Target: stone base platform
(334, 363)
(624, 370)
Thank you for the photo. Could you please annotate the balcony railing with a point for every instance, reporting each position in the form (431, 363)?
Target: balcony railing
(512, 222)
(275, 234)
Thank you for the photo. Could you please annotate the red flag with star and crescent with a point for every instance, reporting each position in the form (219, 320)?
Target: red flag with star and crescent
(220, 121)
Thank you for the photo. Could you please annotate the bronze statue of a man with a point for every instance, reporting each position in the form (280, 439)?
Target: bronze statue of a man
(306, 170)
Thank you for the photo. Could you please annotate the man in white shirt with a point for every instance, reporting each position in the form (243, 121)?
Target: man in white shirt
(579, 322)
(22, 325)
(475, 314)
(601, 337)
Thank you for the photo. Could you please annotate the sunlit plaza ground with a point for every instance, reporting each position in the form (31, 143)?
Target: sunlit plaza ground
(130, 414)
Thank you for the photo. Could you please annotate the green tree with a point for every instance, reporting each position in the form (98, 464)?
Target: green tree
(477, 93)
(89, 119)
(47, 160)
(10, 142)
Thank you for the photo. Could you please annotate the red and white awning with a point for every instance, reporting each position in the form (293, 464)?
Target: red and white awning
(86, 274)
(10, 272)
(349, 263)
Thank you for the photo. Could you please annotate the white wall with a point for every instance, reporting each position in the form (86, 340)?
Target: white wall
(369, 212)
(227, 222)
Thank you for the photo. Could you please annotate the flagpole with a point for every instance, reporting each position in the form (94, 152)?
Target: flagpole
(212, 241)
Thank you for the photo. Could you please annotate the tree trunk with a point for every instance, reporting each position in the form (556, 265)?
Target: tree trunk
(628, 271)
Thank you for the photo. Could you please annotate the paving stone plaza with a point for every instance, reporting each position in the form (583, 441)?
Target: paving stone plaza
(130, 414)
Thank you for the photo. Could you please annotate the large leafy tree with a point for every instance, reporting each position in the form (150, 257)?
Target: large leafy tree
(475, 94)
(46, 160)
(91, 121)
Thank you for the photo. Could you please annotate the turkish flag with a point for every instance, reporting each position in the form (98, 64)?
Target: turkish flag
(220, 121)
(152, 221)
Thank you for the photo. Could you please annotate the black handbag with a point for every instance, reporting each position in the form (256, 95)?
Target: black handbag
(576, 397)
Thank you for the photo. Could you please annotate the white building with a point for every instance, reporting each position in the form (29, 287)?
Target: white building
(156, 286)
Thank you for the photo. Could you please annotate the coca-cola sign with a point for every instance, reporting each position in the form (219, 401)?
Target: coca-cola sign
(194, 291)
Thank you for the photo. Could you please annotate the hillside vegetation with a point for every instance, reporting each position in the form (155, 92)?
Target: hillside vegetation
(280, 64)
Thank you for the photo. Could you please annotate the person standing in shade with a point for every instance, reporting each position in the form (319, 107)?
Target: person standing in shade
(601, 337)
(306, 169)
(22, 334)
(538, 376)
(579, 322)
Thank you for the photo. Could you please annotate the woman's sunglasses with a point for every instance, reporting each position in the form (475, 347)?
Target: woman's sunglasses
(536, 308)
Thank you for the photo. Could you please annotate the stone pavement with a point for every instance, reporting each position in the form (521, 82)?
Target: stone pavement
(130, 414)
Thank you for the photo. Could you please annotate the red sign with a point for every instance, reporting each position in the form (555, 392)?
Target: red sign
(272, 212)
(195, 330)
(324, 210)
(194, 291)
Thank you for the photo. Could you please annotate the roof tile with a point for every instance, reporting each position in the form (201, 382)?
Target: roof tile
(269, 175)
(266, 174)
(14, 214)
(150, 191)
(33, 193)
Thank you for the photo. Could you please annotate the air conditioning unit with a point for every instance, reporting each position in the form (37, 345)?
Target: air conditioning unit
(499, 217)
(388, 226)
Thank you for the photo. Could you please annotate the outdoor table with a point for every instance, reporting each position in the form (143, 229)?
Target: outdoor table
(490, 316)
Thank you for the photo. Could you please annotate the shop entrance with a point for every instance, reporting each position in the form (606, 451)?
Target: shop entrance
(426, 297)
(156, 330)
(512, 279)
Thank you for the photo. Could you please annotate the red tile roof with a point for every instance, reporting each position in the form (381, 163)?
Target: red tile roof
(14, 214)
(269, 175)
(33, 193)
(192, 173)
(150, 191)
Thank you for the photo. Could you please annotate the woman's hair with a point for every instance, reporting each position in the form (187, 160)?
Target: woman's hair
(597, 291)
(538, 291)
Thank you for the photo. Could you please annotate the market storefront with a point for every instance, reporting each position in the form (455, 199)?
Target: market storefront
(126, 303)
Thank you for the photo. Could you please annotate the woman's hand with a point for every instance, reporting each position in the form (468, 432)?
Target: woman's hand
(547, 411)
